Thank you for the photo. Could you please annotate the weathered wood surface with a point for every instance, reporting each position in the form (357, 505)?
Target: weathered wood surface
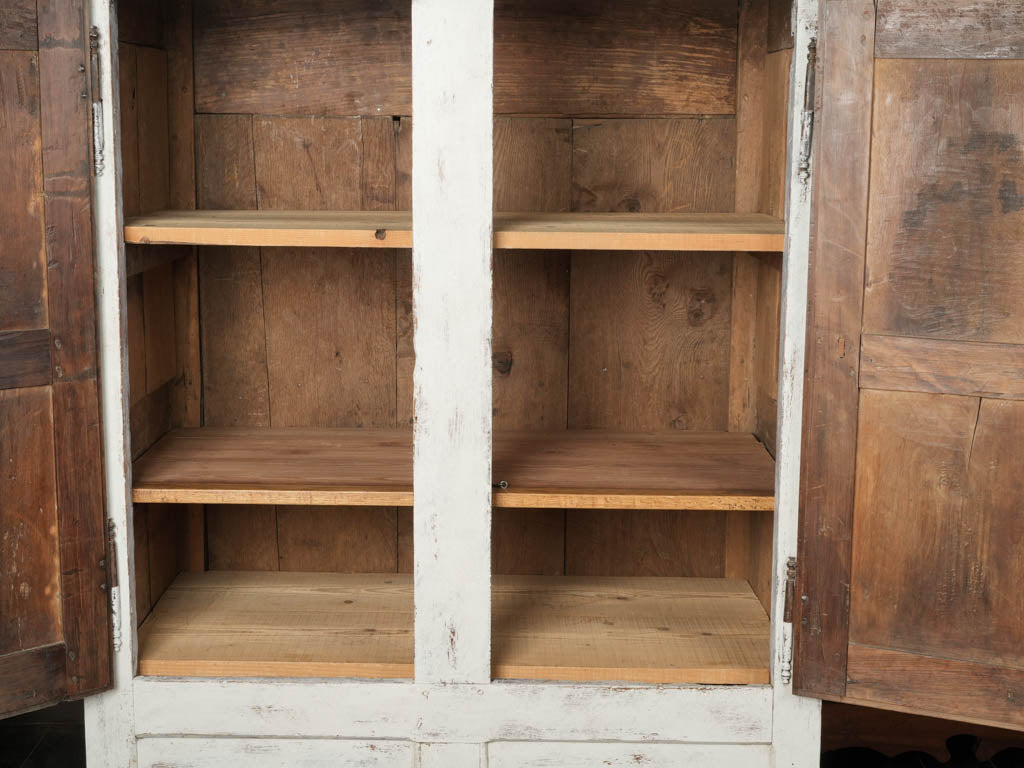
(937, 527)
(780, 25)
(334, 625)
(949, 29)
(18, 26)
(30, 590)
(24, 358)
(943, 257)
(23, 262)
(948, 688)
(842, 143)
(942, 367)
(302, 57)
(33, 678)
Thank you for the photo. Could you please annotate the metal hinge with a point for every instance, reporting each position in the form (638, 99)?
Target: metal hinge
(97, 102)
(807, 117)
(113, 590)
(786, 666)
(787, 611)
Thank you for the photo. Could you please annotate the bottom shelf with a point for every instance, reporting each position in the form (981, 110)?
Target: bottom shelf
(274, 624)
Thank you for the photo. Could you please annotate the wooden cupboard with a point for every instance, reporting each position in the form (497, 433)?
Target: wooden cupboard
(674, 349)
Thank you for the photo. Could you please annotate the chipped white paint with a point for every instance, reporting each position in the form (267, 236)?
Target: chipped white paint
(274, 753)
(452, 715)
(526, 754)
(452, 756)
(501, 711)
(796, 720)
(109, 717)
(452, 51)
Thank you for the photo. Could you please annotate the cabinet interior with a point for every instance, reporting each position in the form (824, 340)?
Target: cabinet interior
(639, 174)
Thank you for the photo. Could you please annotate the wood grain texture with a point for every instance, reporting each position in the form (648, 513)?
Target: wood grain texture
(610, 58)
(140, 528)
(940, 29)
(24, 358)
(233, 333)
(946, 215)
(641, 630)
(775, 166)
(585, 469)
(23, 259)
(154, 143)
(946, 688)
(30, 589)
(936, 565)
(63, 78)
(303, 57)
(138, 23)
(330, 324)
(750, 127)
(159, 323)
(572, 231)
(766, 353)
(32, 678)
(842, 143)
(149, 419)
(180, 104)
(649, 332)
(18, 25)
(530, 343)
(780, 25)
(942, 367)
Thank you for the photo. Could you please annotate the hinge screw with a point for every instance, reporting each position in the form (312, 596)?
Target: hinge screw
(103, 587)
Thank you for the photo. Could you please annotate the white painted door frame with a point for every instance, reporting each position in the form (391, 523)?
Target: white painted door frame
(452, 701)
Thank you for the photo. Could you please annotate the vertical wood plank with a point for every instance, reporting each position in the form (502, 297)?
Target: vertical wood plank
(159, 324)
(136, 319)
(154, 155)
(30, 587)
(22, 258)
(842, 143)
(18, 25)
(404, 351)
(452, 190)
(532, 172)
(233, 334)
(330, 316)
(143, 602)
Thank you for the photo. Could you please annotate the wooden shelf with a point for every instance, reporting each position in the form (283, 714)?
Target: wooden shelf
(372, 229)
(576, 469)
(278, 624)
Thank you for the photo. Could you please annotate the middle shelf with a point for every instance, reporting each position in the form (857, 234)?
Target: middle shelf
(582, 469)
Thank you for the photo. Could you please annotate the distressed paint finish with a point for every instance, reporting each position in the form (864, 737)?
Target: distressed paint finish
(452, 756)
(110, 716)
(796, 727)
(533, 754)
(438, 713)
(273, 753)
(451, 205)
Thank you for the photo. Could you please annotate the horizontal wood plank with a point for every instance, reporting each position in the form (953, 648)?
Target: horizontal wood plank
(949, 29)
(947, 688)
(389, 229)
(946, 367)
(577, 469)
(32, 678)
(24, 358)
(653, 630)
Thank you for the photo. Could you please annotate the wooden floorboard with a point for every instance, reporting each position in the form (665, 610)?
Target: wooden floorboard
(651, 630)
(390, 229)
(574, 469)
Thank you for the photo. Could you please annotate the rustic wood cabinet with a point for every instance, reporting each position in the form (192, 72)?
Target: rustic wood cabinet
(668, 371)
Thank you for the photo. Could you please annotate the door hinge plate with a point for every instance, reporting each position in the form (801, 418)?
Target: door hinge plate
(807, 116)
(787, 612)
(98, 139)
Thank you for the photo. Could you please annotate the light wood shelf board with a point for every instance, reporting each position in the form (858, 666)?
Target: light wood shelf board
(389, 229)
(650, 630)
(573, 469)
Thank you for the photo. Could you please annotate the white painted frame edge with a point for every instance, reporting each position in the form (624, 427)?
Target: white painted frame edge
(110, 716)
(452, 713)
(452, 76)
(796, 720)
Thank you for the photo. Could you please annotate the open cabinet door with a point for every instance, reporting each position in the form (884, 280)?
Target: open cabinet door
(910, 584)
(54, 624)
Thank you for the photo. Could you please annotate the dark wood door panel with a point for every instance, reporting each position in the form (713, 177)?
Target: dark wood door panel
(938, 563)
(947, 201)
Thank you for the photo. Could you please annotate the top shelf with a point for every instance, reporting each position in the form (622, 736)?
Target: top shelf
(387, 229)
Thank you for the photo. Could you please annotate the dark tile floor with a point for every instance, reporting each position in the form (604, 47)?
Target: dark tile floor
(49, 738)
